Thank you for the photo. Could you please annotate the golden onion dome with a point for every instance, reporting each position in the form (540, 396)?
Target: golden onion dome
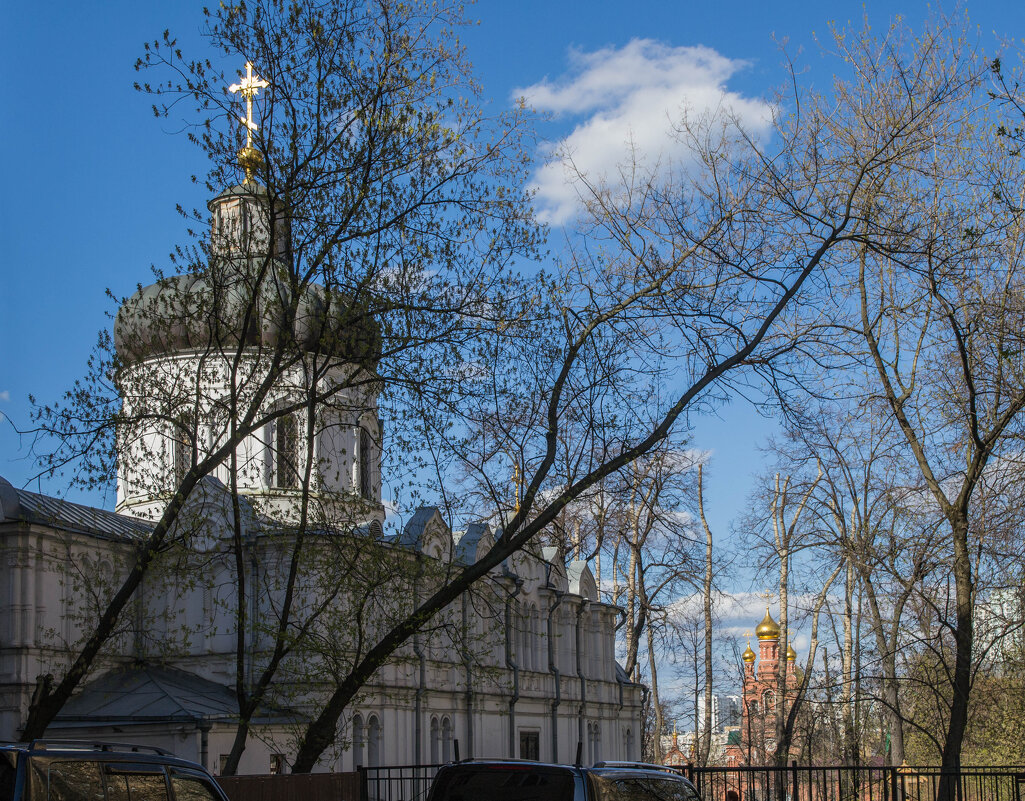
(791, 653)
(748, 655)
(768, 629)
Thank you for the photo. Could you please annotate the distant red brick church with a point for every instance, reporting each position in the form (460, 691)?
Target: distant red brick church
(756, 740)
(675, 756)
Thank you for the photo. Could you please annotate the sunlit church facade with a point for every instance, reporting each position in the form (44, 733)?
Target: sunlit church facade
(755, 741)
(546, 678)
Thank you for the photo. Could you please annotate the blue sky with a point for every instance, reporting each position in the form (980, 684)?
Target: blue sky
(91, 178)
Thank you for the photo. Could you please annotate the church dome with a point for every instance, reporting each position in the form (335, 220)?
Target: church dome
(791, 653)
(748, 655)
(226, 308)
(245, 297)
(768, 629)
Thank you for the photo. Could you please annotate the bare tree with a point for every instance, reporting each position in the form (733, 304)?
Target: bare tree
(940, 316)
(371, 157)
(706, 608)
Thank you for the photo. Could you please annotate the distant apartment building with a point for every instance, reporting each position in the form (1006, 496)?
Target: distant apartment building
(726, 711)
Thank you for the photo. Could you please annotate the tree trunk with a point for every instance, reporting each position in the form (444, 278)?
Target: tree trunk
(847, 689)
(963, 637)
(887, 644)
(656, 702)
(706, 738)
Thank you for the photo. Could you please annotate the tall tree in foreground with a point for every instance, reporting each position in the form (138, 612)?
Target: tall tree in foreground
(940, 316)
(368, 164)
(707, 586)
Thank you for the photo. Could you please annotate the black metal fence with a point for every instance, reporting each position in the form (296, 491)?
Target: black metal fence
(396, 782)
(792, 783)
(858, 783)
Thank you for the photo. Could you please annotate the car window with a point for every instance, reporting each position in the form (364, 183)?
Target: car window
(8, 773)
(504, 783)
(72, 780)
(643, 788)
(187, 787)
(128, 782)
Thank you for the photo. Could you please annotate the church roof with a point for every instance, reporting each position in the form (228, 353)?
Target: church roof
(211, 309)
(412, 534)
(33, 507)
(622, 677)
(154, 693)
(768, 629)
(468, 542)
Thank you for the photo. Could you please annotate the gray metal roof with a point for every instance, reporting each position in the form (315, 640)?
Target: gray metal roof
(145, 693)
(412, 534)
(469, 540)
(33, 507)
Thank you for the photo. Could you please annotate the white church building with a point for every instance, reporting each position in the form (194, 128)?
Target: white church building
(542, 677)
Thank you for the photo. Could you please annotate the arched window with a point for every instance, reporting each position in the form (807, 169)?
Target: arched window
(534, 632)
(373, 742)
(446, 739)
(540, 642)
(366, 451)
(523, 655)
(769, 701)
(358, 742)
(183, 450)
(566, 640)
(435, 742)
(282, 438)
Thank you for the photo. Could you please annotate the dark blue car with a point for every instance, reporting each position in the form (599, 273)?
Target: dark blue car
(61, 770)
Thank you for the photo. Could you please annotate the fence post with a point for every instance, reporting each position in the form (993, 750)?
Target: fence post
(793, 780)
(364, 791)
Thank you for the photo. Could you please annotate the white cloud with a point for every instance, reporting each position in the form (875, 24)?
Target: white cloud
(737, 614)
(5, 395)
(630, 97)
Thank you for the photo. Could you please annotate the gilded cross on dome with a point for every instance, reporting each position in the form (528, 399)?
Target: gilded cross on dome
(518, 484)
(249, 157)
(248, 87)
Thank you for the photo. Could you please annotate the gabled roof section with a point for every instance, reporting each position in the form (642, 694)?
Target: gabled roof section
(555, 569)
(581, 580)
(206, 515)
(469, 542)
(154, 693)
(17, 505)
(426, 532)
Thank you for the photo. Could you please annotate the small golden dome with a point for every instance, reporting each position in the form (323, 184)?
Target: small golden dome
(791, 653)
(748, 655)
(250, 160)
(768, 629)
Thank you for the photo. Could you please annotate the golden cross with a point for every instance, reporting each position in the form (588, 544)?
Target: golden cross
(248, 87)
(516, 483)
